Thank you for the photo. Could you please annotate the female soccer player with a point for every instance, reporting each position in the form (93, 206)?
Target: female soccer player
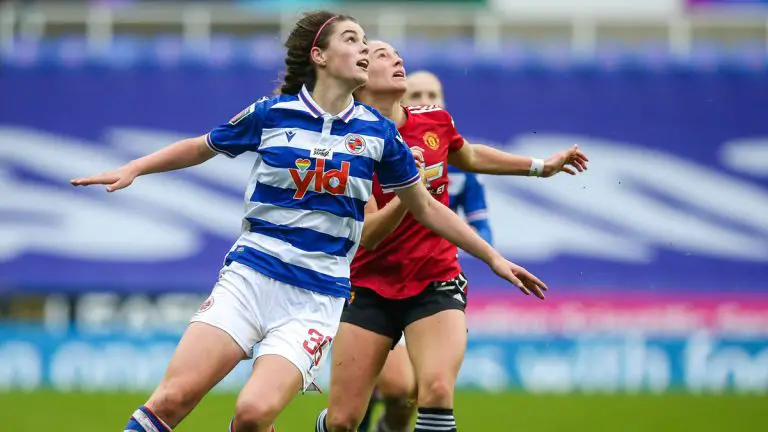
(396, 384)
(411, 280)
(285, 280)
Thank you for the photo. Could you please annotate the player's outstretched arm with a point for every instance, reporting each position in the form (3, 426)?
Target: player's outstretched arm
(483, 159)
(440, 219)
(181, 154)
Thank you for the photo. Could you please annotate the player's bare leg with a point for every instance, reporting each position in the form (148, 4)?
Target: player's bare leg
(272, 385)
(397, 389)
(436, 345)
(358, 357)
(204, 356)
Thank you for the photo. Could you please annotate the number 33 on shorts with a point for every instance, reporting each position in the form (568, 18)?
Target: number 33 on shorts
(316, 345)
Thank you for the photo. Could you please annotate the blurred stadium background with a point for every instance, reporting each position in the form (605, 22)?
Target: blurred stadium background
(657, 257)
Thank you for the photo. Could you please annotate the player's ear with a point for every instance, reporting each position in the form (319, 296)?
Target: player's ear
(319, 57)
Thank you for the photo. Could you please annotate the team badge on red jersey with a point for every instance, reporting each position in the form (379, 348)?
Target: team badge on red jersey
(355, 144)
(431, 140)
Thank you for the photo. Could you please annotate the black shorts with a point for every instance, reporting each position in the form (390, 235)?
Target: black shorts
(388, 317)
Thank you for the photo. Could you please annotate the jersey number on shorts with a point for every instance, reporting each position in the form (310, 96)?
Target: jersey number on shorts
(314, 345)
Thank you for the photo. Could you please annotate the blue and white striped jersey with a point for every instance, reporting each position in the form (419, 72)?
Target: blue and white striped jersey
(305, 199)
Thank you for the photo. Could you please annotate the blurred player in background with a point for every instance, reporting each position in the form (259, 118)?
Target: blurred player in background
(404, 278)
(465, 189)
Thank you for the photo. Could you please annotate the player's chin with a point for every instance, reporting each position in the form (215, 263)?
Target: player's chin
(399, 84)
(360, 77)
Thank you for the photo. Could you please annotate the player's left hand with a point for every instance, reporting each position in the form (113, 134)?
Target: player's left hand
(418, 156)
(565, 161)
(520, 277)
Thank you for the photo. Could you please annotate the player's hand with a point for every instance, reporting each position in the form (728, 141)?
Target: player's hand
(418, 156)
(565, 161)
(115, 180)
(520, 277)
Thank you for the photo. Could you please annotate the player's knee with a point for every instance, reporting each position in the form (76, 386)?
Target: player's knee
(252, 415)
(436, 392)
(400, 388)
(340, 421)
(172, 401)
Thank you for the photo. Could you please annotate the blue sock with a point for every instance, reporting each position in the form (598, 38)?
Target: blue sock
(144, 420)
(320, 423)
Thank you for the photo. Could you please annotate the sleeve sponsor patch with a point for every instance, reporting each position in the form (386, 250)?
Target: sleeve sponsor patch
(243, 114)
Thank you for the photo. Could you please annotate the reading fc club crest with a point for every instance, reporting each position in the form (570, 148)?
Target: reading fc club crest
(206, 305)
(355, 144)
(431, 140)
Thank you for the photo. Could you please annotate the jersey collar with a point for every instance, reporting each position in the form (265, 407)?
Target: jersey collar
(316, 111)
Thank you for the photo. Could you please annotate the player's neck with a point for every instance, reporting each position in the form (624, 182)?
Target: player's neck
(331, 99)
(390, 108)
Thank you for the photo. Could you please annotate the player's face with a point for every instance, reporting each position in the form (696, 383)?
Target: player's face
(385, 71)
(346, 56)
(424, 89)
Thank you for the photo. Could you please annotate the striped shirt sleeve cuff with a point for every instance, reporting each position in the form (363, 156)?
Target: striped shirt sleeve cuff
(215, 149)
(401, 185)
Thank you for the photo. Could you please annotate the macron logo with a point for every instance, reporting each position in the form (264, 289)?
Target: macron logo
(290, 135)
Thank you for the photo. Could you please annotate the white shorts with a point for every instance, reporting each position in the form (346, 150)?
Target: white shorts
(402, 340)
(285, 320)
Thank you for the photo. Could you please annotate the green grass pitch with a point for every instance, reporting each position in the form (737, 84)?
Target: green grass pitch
(78, 412)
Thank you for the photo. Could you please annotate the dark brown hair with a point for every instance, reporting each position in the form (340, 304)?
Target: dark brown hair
(299, 68)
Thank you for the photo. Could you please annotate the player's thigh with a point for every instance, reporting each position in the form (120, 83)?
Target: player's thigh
(397, 379)
(220, 334)
(370, 324)
(275, 380)
(203, 357)
(357, 359)
(436, 331)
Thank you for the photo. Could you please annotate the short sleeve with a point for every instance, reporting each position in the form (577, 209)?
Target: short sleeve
(475, 207)
(396, 169)
(242, 133)
(456, 141)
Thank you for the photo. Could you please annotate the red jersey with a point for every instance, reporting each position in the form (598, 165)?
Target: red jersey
(413, 256)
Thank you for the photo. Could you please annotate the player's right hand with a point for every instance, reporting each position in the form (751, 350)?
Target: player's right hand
(115, 180)
(520, 277)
